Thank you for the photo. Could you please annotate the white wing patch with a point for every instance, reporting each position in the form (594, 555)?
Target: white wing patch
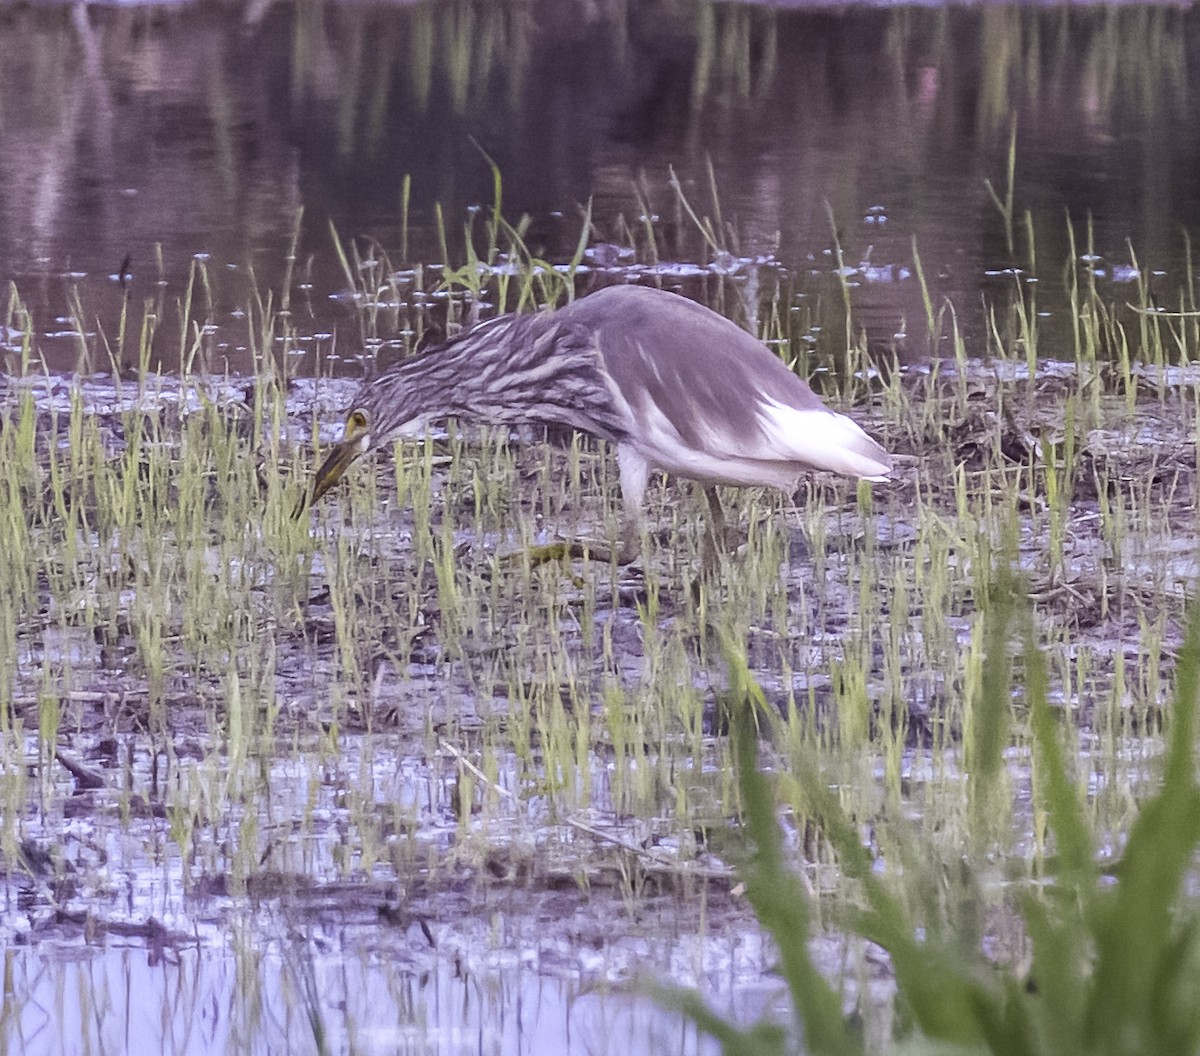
(821, 439)
(787, 442)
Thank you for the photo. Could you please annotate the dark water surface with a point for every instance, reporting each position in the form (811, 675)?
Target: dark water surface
(150, 134)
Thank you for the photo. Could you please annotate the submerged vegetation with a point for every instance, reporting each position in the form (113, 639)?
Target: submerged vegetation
(212, 711)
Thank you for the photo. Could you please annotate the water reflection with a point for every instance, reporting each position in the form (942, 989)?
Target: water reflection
(126, 933)
(256, 998)
(159, 132)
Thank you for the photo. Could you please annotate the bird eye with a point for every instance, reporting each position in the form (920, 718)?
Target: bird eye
(356, 422)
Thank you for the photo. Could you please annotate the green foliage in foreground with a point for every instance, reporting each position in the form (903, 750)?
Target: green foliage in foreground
(1113, 964)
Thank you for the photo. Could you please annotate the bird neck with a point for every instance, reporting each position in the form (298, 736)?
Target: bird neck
(515, 369)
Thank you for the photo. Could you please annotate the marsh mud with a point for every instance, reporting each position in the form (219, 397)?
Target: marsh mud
(413, 788)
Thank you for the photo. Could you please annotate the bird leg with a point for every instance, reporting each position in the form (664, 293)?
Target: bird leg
(716, 538)
(574, 549)
(627, 550)
(634, 472)
(717, 543)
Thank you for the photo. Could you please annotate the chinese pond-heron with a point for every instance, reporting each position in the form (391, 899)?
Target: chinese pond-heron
(673, 385)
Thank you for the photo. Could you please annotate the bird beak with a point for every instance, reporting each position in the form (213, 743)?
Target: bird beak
(339, 460)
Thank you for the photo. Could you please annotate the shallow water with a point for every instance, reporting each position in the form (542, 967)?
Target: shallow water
(119, 999)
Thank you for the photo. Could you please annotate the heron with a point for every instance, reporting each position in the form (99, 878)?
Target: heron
(673, 385)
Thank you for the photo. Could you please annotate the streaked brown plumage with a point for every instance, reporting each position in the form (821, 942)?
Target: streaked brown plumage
(674, 385)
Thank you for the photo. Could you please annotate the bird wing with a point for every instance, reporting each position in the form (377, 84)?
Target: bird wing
(701, 386)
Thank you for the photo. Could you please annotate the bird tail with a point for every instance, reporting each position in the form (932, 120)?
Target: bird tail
(825, 440)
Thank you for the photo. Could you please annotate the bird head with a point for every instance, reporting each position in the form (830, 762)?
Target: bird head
(356, 441)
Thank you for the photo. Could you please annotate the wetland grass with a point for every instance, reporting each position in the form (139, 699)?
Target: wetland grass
(376, 700)
(1104, 945)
